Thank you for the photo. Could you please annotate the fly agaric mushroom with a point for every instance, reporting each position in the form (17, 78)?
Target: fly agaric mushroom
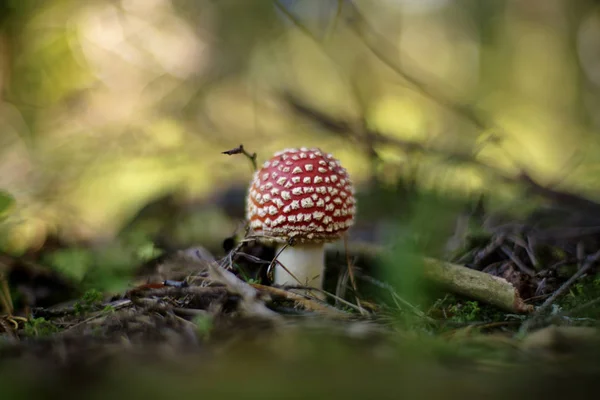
(301, 199)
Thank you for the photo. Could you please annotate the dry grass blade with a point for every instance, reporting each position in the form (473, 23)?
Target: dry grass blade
(351, 274)
(399, 301)
(471, 283)
(306, 303)
(277, 262)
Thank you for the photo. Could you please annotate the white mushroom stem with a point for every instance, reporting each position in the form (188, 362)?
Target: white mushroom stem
(304, 266)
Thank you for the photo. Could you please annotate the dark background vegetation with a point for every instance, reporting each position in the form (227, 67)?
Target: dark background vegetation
(115, 113)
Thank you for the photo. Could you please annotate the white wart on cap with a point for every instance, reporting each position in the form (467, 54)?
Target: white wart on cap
(303, 194)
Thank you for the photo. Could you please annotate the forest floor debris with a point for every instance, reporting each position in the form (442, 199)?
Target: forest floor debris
(199, 305)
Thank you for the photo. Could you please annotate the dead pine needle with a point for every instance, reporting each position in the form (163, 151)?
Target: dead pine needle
(277, 262)
(351, 274)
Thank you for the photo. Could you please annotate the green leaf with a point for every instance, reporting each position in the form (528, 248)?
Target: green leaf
(147, 252)
(6, 203)
(72, 263)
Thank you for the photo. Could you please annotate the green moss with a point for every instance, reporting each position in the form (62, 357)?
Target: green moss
(7, 202)
(204, 325)
(39, 327)
(464, 311)
(72, 263)
(468, 311)
(581, 293)
(566, 271)
(90, 301)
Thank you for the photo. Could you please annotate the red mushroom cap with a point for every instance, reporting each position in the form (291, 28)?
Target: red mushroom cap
(303, 194)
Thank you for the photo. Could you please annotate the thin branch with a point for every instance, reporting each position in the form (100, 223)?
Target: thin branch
(296, 21)
(530, 323)
(522, 178)
(365, 141)
(336, 18)
(590, 262)
(375, 43)
(524, 268)
(389, 55)
(241, 150)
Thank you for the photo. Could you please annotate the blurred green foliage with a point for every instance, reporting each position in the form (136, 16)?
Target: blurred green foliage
(204, 325)
(429, 223)
(109, 105)
(582, 299)
(108, 268)
(72, 263)
(273, 370)
(6, 203)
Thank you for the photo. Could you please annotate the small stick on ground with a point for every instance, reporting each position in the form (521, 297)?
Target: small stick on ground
(476, 285)
(494, 245)
(589, 263)
(526, 246)
(468, 282)
(524, 268)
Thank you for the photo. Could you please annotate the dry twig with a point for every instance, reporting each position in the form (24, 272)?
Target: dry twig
(517, 261)
(306, 303)
(251, 304)
(532, 322)
(476, 285)
(240, 150)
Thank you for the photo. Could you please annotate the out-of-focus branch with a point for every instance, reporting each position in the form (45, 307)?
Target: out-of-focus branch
(390, 56)
(336, 18)
(368, 139)
(296, 21)
(366, 144)
(355, 132)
